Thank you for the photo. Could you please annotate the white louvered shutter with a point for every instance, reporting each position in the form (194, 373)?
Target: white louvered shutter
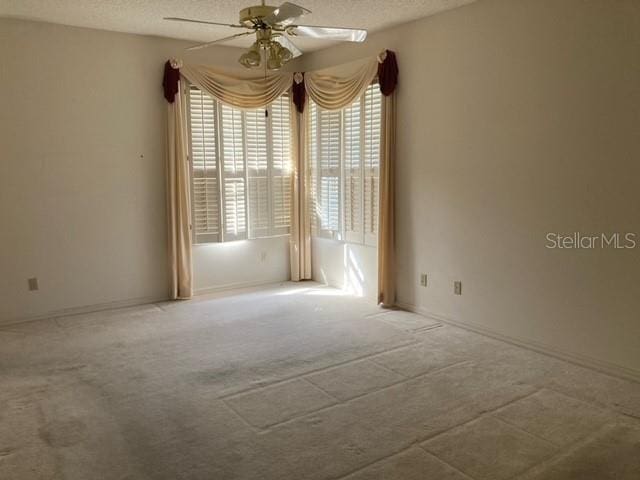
(372, 126)
(312, 142)
(241, 169)
(352, 172)
(281, 168)
(344, 157)
(233, 174)
(204, 167)
(329, 152)
(257, 172)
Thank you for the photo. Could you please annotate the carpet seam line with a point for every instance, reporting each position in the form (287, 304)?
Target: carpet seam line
(289, 420)
(310, 372)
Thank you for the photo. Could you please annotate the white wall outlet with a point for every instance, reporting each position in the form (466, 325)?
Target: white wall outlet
(33, 284)
(457, 287)
(263, 256)
(423, 279)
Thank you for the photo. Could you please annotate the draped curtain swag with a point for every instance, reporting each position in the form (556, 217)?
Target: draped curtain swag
(331, 89)
(332, 92)
(244, 93)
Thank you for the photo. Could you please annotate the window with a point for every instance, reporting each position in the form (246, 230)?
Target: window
(241, 169)
(344, 148)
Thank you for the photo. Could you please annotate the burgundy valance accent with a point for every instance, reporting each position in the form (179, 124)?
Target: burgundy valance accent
(299, 94)
(388, 74)
(170, 81)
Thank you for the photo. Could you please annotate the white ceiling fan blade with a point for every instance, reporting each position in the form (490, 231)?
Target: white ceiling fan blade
(220, 40)
(329, 33)
(288, 44)
(285, 14)
(177, 19)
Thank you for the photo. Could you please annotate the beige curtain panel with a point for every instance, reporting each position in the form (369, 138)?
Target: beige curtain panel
(300, 239)
(386, 223)
(178, 201)
(244, 93)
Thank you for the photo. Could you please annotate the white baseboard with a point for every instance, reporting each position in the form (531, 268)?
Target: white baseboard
(236, 286)
(129, 302)
(372, 296)
(98, 307)
(582, 360)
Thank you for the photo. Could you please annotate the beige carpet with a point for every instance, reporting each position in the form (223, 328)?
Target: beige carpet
(297, 383)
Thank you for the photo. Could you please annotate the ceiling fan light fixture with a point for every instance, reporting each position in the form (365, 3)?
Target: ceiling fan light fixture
(278, 56)
(273, 64)
(252, 58)
(285, 54)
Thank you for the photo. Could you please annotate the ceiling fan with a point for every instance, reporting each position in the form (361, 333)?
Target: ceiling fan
(273, 27)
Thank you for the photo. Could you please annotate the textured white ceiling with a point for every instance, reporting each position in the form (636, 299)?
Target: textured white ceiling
(145, 16)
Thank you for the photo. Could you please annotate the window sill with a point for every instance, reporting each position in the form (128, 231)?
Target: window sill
(241, 240)
(342, 241)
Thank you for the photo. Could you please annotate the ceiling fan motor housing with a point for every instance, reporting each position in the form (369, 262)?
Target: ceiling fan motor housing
(263, 36)
(250, 16)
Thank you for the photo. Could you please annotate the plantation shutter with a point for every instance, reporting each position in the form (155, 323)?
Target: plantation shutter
(353, 172)
(372, 126)
(312, 142)
(329, 150)
(233, 174)
(281, 168)
(344, 155)
(257, 172)
(241, 169)
(204, 167)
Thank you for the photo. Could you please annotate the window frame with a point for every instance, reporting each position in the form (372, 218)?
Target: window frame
(370, 238)
(223, 235)
(330, 172)
(362, 236)
(210, 237)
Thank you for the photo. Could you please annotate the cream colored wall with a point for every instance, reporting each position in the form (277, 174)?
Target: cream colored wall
(82, 185)
(518, 118)
(348, 266)
(219, 266)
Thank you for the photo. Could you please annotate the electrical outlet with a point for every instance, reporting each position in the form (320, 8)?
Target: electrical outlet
(423, 279)
(457, 287)
(33, 284)
(263, 256)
